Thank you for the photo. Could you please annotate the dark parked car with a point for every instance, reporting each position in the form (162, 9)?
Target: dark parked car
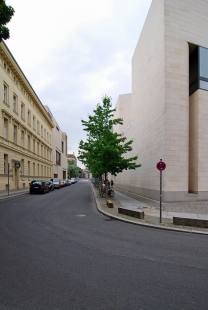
(51, 186)
(56, 183)
(39, 187)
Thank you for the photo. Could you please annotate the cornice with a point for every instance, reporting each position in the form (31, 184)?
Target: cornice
(10, 60)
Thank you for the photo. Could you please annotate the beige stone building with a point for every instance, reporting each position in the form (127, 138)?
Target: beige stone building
(167, 112)
(25, 128)
(59, 153)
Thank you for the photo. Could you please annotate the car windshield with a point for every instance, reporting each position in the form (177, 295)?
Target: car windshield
(37, 183)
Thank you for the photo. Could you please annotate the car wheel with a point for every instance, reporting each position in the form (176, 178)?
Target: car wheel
(44, 191)
(31, 192)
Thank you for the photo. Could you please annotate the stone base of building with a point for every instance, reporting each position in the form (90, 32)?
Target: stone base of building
(167, 196)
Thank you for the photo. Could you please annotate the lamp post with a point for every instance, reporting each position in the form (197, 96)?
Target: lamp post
(8, 177)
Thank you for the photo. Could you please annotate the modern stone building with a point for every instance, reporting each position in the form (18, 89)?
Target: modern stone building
(25, 128)
(59, 153)
(167, 112)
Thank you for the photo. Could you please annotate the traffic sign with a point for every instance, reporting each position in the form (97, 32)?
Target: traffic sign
(161, 165)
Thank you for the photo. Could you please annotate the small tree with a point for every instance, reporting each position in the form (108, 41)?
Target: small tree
(73, 170)
(103, 151)
(6, 13)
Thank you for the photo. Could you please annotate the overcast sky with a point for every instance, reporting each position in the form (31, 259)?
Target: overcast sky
(75, 51)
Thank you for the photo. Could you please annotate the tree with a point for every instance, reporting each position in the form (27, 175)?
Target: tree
(103, 151)
(73, 170)
(6, 13)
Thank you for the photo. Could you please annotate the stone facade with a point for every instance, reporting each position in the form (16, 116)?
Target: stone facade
(25, 128)
(167, 123)
(59, 153)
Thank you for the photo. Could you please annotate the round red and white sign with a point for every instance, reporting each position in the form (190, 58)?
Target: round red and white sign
(161, 165)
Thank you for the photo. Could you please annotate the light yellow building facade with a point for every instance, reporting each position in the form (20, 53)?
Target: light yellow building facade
(59, 152)
(169, 103)
(25, 128)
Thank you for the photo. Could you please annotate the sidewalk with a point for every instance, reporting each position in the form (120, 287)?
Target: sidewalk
(12, 193)
(151, 208)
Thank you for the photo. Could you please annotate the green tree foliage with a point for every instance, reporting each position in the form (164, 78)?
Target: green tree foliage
(103, 151)
(73, 170)
(6, 13)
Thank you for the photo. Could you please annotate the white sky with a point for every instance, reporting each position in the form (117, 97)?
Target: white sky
(75, 51)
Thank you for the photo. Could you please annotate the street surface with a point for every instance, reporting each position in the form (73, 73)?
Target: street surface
(58, 252)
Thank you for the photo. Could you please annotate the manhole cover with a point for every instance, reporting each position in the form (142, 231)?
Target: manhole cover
(81, 215)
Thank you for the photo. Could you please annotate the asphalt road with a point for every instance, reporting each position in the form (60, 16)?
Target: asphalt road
(58, 252)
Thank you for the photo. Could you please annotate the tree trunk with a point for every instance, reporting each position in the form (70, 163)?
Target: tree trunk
(106, 185)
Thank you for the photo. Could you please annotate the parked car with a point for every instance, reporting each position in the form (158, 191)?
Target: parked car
(56, 182)
(39, 187)
(51, 186)
(68, 182)
(73, 180)
(63, 183)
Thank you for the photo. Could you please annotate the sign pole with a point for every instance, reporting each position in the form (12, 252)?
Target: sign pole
(8, 179)
(160, 194)
(161, 166)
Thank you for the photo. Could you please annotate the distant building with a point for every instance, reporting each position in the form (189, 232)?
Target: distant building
(72, 157)
(59, 154)
(166, 114)
(25, 128)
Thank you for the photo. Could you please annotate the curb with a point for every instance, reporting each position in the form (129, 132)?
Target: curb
(146, 224)
(12, 195)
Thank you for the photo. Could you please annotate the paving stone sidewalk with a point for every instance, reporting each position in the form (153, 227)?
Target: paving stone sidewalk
(152, 207)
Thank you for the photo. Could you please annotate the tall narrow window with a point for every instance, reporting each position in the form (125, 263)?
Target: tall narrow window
(34, 123)
(41, 131)
(38, 127)
(58, 158)
(22, 166)
(29, 117)
(33, 145)
(5, 93)
(23, 111)
(14, 103)
(15, 134)
(62, 146)
(5, 128)
(28, 170)
(28, 143)
(22, 138)
(34, 170)
(38, 148)
(5, 163)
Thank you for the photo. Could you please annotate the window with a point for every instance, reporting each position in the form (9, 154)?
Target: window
(28, 170)
(38, 170)
(5, 163)
(34, 145)
(34, 170)
(45, 134)
(15, 134)
(38, 148)
(198, 69)
(5, 128)
(29, 117)
(34, 123)
(41, 150)
(41, 131)
(5, 94)
(23, 111)
(62, 146)
(28, 143)
(14, 103)
(22, 166)
(58, 158)
(22, 138)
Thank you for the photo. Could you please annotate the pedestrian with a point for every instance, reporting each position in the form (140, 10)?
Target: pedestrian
(111, 183)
